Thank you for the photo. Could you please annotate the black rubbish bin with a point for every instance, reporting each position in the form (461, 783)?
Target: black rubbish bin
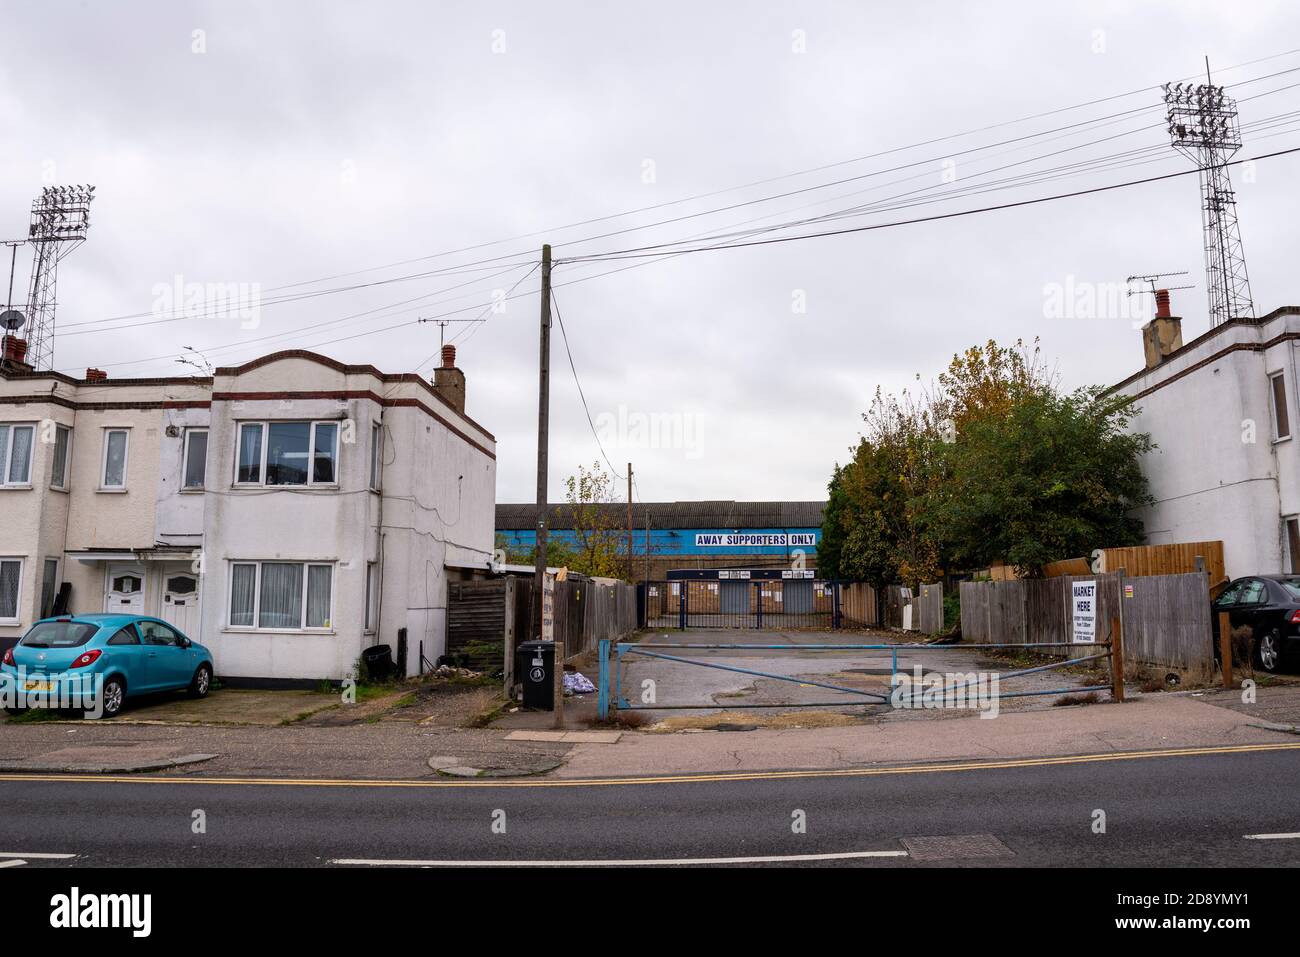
(379, 661)
(535, 669)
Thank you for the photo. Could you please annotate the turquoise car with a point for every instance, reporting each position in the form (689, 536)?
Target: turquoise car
(95, 662)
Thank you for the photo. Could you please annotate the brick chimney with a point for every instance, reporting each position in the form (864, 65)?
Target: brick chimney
(449, 381)
(1163, 335)
(13, 354)
(96, 375)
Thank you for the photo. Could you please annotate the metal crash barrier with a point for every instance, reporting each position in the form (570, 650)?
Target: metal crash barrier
(610, 694)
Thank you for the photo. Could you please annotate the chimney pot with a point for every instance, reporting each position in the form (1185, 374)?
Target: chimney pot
(1162, 304)
(96, 375)
(15, 350)
(449, 357)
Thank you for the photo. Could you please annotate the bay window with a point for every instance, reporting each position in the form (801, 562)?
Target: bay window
(281, 596)
(59, 467)
(11, 580)
(16, 454)
(287, 453)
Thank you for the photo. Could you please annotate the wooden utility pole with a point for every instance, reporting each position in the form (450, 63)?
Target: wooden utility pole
(629, 521)
(543, 436)
(543, 519)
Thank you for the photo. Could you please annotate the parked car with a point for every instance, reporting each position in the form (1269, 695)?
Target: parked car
(1269, 605)
(133, 654)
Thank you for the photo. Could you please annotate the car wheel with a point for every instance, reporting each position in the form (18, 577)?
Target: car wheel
(114, 696)
(1268, 650)
(201, 683)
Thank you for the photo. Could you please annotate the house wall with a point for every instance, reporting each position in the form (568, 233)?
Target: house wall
(436, 506)
(1217, 472)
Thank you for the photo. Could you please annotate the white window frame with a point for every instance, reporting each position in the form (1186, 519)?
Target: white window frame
(257, 596)
(62, 484)
(103, 460)
(16, 618)
(185, 461)
(58, 580)
(1286, 537)
(8, 457)
(311, 451)
(376, 456)
(1272, 404)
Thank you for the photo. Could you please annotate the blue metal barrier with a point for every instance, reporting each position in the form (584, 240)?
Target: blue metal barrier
(610, 684)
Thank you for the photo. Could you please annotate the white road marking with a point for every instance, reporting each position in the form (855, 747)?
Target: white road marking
(663, 862)
(36, 855)
(12, 863)
(1294, 835)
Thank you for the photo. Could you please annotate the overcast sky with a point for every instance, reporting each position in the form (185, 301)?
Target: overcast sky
(267, 144)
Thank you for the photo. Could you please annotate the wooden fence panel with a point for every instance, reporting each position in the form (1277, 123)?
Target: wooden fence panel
(1167, 623)
(975, 598)
(1173, 559)
(929, 609)
(858, 605)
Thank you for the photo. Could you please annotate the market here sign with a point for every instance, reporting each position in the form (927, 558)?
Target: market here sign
(756, 539)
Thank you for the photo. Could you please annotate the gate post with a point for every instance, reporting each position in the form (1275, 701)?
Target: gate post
(1116, 659)
(835, 603)
(602, 681)
(758, 586)
(681, 606)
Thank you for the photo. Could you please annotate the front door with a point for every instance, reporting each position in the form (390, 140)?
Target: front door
(125, 592)
(180, 601)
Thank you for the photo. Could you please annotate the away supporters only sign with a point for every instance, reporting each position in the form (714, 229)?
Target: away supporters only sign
(755, 539)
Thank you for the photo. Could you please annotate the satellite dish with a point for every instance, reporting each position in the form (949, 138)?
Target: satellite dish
(12, 319)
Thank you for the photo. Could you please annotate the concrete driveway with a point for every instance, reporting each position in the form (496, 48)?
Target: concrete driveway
(769, 701)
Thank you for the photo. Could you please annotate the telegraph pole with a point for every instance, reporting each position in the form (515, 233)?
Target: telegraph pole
(629, 521)
(543, 438)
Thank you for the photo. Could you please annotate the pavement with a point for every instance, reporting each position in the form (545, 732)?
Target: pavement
(402, 750)
(1167, 810)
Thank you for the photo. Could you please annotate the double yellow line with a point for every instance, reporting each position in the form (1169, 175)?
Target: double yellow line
(660, 779)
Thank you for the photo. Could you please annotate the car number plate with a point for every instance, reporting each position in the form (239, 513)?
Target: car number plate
(37, 685)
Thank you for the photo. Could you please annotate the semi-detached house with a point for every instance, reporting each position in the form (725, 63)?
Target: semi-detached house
(287, 512)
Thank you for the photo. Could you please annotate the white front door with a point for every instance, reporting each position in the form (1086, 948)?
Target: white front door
(125, 592)
(180, 602)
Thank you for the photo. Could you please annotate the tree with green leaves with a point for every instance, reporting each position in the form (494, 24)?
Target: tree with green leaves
(991, 463)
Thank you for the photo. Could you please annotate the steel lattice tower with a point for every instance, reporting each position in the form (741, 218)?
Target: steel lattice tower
(1203, 127)
(60, 218)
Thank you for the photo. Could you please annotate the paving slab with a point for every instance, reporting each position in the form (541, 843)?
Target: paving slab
(103, 759)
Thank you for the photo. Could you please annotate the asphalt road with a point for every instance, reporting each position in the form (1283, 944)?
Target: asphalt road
(1162, 811)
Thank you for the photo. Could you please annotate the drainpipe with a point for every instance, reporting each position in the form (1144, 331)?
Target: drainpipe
(379, 571)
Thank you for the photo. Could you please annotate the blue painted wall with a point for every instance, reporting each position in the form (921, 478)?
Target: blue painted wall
(677, 541)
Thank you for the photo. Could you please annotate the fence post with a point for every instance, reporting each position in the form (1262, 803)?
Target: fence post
(1225, 648)
(602, 681)
(759, 586)
(1116, 659)
(681, 606)
(835, 603)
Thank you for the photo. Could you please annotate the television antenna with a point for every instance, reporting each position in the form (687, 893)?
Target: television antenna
(1152, 279)
(442, 325)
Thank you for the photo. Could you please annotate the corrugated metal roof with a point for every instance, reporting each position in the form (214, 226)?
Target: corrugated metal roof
(719, 514)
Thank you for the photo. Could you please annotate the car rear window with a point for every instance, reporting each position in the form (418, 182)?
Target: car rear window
(1292, 586)
(59, 634)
